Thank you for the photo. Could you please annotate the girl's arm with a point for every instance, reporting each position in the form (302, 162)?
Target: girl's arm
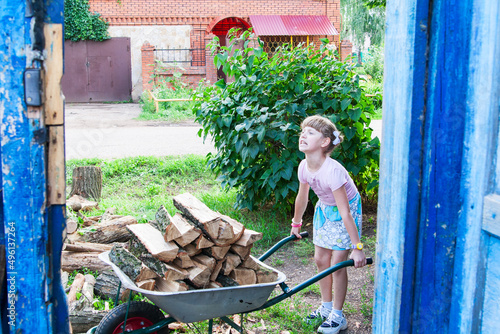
(345, 212)
(300, 207)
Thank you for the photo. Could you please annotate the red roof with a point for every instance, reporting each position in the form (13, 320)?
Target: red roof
(288, 25)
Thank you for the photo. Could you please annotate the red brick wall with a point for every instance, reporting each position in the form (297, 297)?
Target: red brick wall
(175, 12)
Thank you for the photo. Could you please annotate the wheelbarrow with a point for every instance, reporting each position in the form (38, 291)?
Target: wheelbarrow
(199, 305)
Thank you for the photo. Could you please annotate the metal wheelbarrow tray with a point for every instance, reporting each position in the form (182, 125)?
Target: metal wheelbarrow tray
(197, 305)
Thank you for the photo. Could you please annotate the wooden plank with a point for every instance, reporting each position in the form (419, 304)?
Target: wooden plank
(53, 63)
(154, 242)
(56, 170)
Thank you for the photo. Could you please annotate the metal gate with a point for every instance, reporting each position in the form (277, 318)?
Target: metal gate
(97, 71)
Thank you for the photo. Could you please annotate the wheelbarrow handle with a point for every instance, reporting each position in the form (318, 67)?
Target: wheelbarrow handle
(283, 241)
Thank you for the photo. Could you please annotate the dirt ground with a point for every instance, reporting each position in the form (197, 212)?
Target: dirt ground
(359, 299)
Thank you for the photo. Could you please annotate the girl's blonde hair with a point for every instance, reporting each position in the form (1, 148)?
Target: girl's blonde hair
(327, 129)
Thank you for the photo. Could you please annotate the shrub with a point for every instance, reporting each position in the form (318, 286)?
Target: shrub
(81, 25)
(374, 63)
(255, 120)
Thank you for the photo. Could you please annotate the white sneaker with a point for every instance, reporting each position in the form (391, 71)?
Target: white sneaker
(333, 324)
(320, 314)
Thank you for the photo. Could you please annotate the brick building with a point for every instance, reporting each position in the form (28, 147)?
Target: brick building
(176, 32)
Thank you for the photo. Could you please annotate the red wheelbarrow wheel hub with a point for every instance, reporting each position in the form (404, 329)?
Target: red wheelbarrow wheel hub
(133, 324)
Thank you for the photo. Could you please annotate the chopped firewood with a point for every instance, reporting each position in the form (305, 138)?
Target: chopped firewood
(243, 276)
(242, 251)
(64, 279)
(148, 284)
(203, 242)
(87, 247)
(130, 265)
(174, 272)
(198, 213)
(136, 247)
(248, 238)
(216, 270)
(226, 281)
(238, 228)
(265, 275)
(170, 286)
(154, 242)
(232, 261)
(192, 250)
(217, 252)
(87, 297)
(183, 260)
(181, 231)
(162, 219)
(108, 214)
(206, 261)
(177, 326)
(199, 275)
(250, 263)
(225, 235)
(107, 284)
(77, 260)
(109, 231)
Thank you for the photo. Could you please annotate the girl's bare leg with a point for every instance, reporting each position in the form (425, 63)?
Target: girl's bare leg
(339, 279)
(323, 259)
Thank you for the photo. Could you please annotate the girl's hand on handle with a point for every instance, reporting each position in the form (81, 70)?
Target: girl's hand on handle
(359, 258)
(296, 231)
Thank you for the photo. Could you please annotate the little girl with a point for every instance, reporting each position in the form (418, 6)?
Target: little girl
(337, 216)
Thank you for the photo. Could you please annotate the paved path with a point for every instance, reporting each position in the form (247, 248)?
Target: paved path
(111, 131)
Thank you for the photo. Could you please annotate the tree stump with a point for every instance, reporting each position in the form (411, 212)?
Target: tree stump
(87, 182)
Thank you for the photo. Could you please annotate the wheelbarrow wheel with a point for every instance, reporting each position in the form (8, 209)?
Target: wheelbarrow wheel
(140, 315)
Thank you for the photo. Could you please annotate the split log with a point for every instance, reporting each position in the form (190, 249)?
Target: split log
(216, 270)
(232, 261)
(77, 260)
(214, 285)
(109, 231)
(106, 286)
(265, 275)
(199, 214)
(206, 261)
(175, 273)
(148, 284)
(242, 251)
(154, 242)
(82, 321)
(226, 281)
(238, 228)
(88, 247)
(199, 275)
(250, 263)
(217, 252)
(203, 242)
(137, 249)
(130, 265)
(192, 250)
(87, 182)
(181, 231)
(108, 214)
(244, 276)
(183, 260)
(170, 286)
(162, 219)
(248, 238)
(79, 203)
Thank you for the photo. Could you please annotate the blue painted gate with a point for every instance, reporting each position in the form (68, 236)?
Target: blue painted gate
(439, 197)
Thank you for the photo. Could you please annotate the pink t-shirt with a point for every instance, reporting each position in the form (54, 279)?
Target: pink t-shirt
(331, 176)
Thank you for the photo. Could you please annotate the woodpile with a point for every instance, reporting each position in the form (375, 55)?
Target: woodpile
(195, 249)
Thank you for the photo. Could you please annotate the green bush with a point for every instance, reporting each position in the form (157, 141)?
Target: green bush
(373, 63)
(81, 25)
(255, 120)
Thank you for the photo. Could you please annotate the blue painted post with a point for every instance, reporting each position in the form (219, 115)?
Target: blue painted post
(430, 200)
(32, 226)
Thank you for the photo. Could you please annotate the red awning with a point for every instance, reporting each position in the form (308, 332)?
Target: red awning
(292, 25)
